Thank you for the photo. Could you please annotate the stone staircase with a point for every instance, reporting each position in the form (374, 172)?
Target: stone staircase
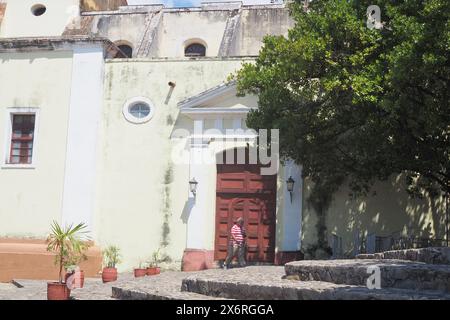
(399, 274)
(303, 281)
(299, 280)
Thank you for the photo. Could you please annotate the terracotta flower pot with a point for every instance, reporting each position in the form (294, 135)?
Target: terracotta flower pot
(78, 281)
(151, 271)
(57, 291)
(109, 274)
(138, 272)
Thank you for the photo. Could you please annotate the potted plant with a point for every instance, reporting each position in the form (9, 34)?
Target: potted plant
(141, 271)
(153, 265)
(111, 257)
(66, 243)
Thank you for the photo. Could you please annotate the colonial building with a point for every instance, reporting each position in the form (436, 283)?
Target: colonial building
(105, 110)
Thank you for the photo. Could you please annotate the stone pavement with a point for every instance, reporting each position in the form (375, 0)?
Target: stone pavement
(24, 289)
(167, 285)
(253, 282)
(37, 291)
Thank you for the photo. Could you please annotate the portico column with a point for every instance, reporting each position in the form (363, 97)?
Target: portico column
(196, 221)
(196, 255)
(82, 135)
(290, 243)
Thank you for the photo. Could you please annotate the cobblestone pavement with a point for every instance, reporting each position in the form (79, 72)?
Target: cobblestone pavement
(24, 289)
(167, 285)
(242, 283)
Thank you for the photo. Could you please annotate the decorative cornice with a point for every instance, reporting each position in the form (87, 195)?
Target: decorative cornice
(27, 44)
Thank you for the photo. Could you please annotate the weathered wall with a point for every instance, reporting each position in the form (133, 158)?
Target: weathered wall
(237, 32)
(389, 209)
(31, 198)
(20, 22)
(257, 23)
(124, 29)
(131, 210)
(101, 5)
(179, 27)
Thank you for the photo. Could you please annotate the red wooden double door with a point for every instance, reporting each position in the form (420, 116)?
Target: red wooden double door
(243, 192)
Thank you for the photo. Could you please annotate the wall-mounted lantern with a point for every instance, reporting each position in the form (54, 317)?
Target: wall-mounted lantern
(290, 186)
(193, 186)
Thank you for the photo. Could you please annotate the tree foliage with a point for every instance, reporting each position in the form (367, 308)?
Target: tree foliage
(355, 104)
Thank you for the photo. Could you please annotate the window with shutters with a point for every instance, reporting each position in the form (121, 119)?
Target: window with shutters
(22, 136)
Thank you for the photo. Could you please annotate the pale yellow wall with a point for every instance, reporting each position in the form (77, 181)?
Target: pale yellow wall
(389, 209)
(134, 158)
(31, 198)
(20, 22)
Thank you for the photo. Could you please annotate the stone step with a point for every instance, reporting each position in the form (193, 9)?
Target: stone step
(431, 255)
(165, 286)
(127, 293)
(255, 284)
(399, 274)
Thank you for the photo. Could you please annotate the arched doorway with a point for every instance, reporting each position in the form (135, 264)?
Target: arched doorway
(242, 191)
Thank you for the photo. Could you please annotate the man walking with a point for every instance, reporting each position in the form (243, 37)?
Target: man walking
(236, 246)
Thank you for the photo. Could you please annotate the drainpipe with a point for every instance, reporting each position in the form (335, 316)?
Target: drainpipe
(446, 219)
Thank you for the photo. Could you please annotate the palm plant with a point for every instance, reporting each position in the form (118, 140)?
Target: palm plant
(111, 256)
(68, 244)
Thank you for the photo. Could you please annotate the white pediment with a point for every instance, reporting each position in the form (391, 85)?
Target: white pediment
(220, 100)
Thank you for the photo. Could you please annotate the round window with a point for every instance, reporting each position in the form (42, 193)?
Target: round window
(138, 110)
(38, 10)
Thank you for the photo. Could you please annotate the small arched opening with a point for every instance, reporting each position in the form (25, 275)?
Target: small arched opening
(126, 50)
(195, 50)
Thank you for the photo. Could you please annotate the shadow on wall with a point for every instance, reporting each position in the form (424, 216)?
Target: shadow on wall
(188, 205)
(387, 211)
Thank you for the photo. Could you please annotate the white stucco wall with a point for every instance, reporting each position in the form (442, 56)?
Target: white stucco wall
(135, 188)
(31, 198)
(139, 184)
(20, 22)
(86, 102)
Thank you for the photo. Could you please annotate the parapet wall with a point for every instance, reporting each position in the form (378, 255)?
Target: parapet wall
(101, 5)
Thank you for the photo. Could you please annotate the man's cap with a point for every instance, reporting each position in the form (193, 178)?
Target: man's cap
(240, 219)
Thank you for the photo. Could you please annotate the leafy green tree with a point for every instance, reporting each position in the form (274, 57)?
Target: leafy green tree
(355, 104)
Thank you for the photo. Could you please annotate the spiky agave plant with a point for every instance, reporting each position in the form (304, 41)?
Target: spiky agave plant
(67, 243)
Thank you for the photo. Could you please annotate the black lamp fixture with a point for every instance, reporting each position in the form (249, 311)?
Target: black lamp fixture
(290, 186)
(193, 186)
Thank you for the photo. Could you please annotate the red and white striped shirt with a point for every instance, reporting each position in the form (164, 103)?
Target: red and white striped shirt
(237, 234)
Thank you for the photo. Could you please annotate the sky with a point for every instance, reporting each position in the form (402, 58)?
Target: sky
(188, 3)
